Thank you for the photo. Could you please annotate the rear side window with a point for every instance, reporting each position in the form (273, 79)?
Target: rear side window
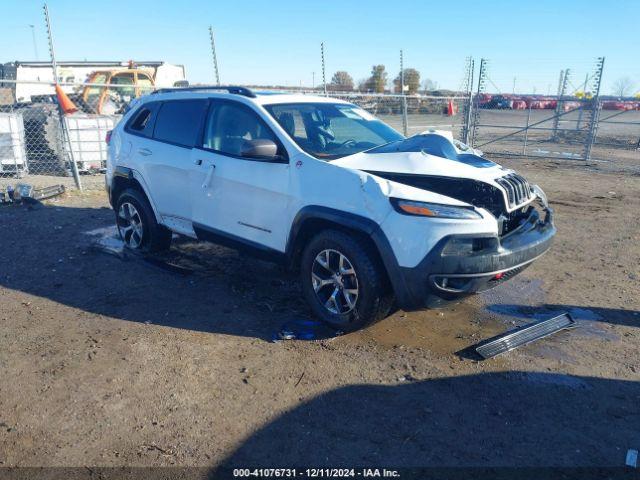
(179, 122)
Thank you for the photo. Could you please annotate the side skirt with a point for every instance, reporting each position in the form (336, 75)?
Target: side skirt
(257, 250)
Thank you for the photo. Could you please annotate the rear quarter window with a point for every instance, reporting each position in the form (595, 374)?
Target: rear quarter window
(179, 122)
(142, 121)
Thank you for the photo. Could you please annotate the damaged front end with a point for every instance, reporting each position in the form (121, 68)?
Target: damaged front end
(461, 264)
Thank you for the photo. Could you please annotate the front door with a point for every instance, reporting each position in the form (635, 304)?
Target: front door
(244, 199)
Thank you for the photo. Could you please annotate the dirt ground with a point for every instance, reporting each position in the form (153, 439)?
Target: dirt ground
(109, 361)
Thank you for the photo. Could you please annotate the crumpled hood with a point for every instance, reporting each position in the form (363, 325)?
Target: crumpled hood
(437, 163)
(420, 163)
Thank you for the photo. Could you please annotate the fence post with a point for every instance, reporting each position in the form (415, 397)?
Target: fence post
(405, 120)
(213, 54)
(526, 132)
(594, 116)
(63, 124)
(468, 102)
(324, 77)
(562, 91)
(482, 77)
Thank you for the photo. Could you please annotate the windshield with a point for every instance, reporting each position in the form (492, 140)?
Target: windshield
(332, 130)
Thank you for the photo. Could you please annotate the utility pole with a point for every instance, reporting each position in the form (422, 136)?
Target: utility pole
(33, 37)
(324, 77)
(63, 123)
(313, 80)
(514, 86)
(213, 54)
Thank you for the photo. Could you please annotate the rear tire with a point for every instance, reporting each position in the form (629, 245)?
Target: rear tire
(137, 224)
(343, 281)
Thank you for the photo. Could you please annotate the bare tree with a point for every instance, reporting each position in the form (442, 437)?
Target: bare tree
(430, 85)
(341, 82)
(622, 87)
(362, 84)
(378, 79)
(411, 81)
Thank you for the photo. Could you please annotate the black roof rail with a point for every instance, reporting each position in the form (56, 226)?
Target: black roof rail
(244, 91)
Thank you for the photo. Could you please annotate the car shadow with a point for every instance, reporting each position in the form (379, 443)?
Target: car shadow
(49, 251)
(504, 419)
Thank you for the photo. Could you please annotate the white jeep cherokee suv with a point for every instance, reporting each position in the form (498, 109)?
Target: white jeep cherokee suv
(371, 219)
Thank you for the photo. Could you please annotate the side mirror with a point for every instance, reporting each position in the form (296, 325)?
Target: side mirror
(260, 149)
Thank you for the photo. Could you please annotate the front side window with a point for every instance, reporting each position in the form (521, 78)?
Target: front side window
(179, 122)
(332, 130)
(230, 125)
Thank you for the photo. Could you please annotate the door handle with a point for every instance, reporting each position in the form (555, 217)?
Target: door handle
(198, 161)
(209, 177)
(144, 151)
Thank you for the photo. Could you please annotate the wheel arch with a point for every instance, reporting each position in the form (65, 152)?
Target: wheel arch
(124, 178)
(312, 219)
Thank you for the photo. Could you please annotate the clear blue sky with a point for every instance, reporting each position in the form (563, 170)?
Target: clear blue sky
(278, 41)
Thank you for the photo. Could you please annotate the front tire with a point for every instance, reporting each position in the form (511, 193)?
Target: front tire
(137, 224)
(343, 281)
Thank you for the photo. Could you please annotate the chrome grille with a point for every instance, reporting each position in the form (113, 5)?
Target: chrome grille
(517, 188)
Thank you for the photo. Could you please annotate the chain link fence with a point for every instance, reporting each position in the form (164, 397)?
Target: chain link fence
(41, 147)
(417, 112)
(606, 132)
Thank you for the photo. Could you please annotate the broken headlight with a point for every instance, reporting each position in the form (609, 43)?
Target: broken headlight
(424, 209)
(540, 194)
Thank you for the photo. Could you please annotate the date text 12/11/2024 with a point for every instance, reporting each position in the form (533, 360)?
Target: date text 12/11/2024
(315, 473)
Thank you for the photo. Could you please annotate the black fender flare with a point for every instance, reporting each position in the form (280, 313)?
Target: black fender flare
(118, 173)
(358, 223)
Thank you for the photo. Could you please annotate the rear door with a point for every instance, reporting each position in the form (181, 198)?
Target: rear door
(165, 160)
(243, 199)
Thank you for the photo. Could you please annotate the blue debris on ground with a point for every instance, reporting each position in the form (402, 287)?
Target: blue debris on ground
(304, 329)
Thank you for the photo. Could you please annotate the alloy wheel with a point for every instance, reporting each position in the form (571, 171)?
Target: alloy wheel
(334, 281)
(130, 225)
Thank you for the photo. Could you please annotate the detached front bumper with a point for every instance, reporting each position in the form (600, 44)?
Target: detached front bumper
(460, 265)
